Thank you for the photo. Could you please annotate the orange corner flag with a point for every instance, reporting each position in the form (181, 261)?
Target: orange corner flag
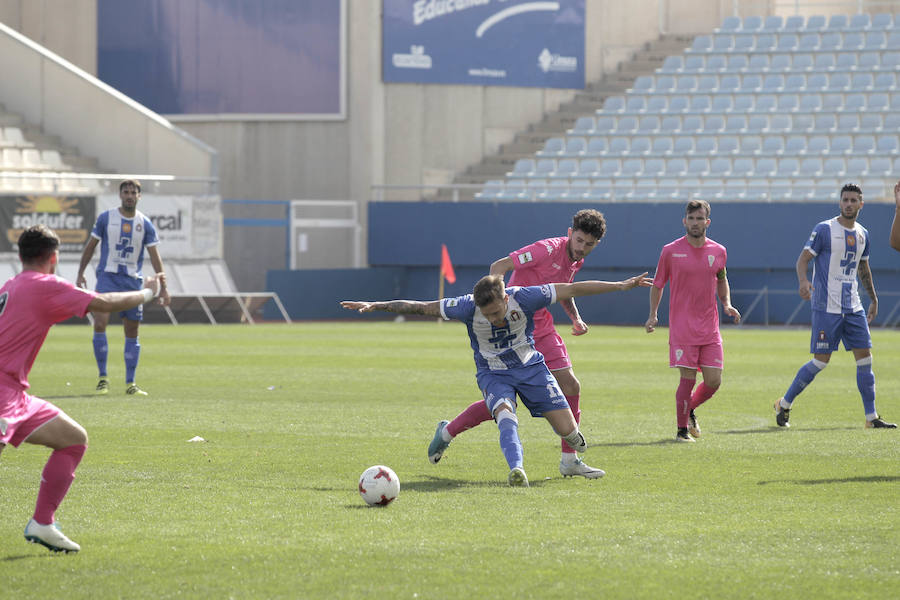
(446, 265)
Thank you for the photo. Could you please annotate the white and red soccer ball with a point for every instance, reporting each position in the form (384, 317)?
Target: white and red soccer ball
(379, 485)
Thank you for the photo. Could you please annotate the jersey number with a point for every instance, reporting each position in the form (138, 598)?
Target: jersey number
(3, 298)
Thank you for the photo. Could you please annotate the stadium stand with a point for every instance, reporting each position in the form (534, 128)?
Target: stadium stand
(753, 110)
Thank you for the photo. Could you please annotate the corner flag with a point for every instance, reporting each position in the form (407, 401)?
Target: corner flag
(446, 265)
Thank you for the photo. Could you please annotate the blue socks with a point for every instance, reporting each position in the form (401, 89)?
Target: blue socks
(508, 424)
(132, 354)
(865, 381)
(101, 351)
(803, 378)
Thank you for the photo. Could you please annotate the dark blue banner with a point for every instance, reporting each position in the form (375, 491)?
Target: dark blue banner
(221, 57)
(484, 42)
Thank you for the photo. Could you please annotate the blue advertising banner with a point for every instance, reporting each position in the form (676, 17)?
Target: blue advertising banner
(484, 42)
(227, 58)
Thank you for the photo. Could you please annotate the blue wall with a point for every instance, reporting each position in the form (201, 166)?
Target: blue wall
(763, 241)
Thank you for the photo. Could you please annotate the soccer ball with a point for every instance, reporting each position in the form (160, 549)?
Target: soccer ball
(379, 485)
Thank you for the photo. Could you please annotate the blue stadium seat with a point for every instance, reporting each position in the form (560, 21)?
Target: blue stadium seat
(765, 103)
(701, 43)
(749, 84)
(773, 23)
(756, 63)
(833, 101)
(700, 103)
(552, 147)
(631, 167)
(705, 145)
(795, 145)
(723, 42)
(743, 103)
(716, 63)
(657, 104)
(676, 167)
(698, 167)
(757, 124)
(811, 166)
(824, 61)
(840, 144)
(810, 102)
(603, 125)
(672, 64)
(684, 145)
(735, 123)
(848, 122)
(793, 23)
(730, 24)
(727, 144)
(787, 42)
(837, 23)
(685, 84)
(744, 42)
(893, 41)
(864, 144)
(653, 167)
(854, 102)
(730, 83)
(765, 166)
(817, 145)
(772, 145)
(543, 167)
(610, 167)
(619, 145)
(535, 187)
(643, 84)
(765, 42)
(809, 42)
(720, 166)
(751, 144)
(815, 23)
(492, 188)
(577, 190)
(722, 103)
(788, 102)
(640, 146)
(742, 166)
(576, 146)
(863, 82)
(858, 22)
(737, 63)
(892, 122)
(648, 124)
(878, 102)
(880, 165)
(885, 81)
(616, 104)
(797, 82)
(857, 166)
(664, 84)
(565, 168)
(691, 124)
(693, 63)
(823, 122)
(585, 125)
(882, 21)
(707, 84)
(596, 146)
(554, 190)
(600, 190)
(871, 122)
(852, 40)
(670, 124)
(802, 122)
(586, 169)
(803, 61)
(838, 81)
(661, 145)
(752, 23)
(830, 41)
(678, 104)
(887, 144)
(522, 168)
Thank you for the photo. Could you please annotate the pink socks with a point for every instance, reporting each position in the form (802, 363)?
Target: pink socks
(58, 474)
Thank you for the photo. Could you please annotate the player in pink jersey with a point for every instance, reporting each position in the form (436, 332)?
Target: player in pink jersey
(695, 268)
(553, 260)
(30, 303)
(895, 226)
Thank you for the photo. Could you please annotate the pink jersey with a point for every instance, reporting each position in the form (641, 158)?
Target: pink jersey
(545, 261)
(30, 303)
(693, 311)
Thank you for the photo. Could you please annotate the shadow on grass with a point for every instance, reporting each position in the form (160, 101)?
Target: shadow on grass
(776, 429)
(14, 557)
(664, 442)
(67, 397)
(867, 479)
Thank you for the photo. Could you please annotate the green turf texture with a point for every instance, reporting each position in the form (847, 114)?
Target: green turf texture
(267, 507)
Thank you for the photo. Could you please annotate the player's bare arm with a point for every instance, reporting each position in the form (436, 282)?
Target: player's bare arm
(724, 292)
(402, 307)
(653, 319)
(805, 285)
(865, 279)
(86, 256)
(501, 266)
(117, 301)
(590, 288)
(895, 228)
(579, 327)
(156, 261)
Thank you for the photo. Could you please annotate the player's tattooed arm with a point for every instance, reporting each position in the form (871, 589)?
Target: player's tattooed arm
(865, 278)
(402, 307)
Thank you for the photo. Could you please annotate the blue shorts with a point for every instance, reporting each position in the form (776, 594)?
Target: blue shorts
(535, 385)
(114, 282)
(829, 329)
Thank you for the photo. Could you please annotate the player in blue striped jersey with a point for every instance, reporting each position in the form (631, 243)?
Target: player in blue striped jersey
(123, 233)
(500, 323)
(839, 250)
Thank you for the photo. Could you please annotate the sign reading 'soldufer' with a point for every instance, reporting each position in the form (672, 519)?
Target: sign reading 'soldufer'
(484, 42)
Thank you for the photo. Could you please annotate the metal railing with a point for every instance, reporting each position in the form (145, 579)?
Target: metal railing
(761, 301)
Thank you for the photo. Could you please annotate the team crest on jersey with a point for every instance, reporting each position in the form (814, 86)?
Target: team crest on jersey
(679, 353)
(139, 227)
(822, 335)
(525, 257)
(515, 315)
(711, 259)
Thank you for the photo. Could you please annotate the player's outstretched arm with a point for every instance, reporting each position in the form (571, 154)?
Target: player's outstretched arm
(565, 291)
(895, 228)
(501, 266)
(116, 301)
(402, 307)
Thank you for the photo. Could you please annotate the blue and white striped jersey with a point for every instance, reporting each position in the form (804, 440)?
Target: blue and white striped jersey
(122, 242)
(838, 251)
(510, 346)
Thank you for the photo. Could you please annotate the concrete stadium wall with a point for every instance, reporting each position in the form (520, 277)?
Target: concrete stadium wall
(763, 241)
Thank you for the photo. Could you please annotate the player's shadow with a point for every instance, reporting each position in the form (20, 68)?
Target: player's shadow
(439, 484)
(776, 429)
(15, 557)
(663, 442)
(67, 397)
(859, 479)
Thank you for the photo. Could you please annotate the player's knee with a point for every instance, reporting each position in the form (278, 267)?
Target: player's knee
(502, 407)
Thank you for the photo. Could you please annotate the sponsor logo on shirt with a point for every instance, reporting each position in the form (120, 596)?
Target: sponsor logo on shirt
(556, 266)
(2, 426)
(676, 255)
(126, 227)
(525, 257)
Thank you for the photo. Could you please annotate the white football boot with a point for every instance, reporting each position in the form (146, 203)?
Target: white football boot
(580, 469)
(50, 537)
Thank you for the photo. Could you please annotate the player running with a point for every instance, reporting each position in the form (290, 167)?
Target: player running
(30, 303)
(839, 250)
(695, 267)
(500, 322)
(552, 260)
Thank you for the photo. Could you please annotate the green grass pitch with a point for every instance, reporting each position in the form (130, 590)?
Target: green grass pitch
(267, 507)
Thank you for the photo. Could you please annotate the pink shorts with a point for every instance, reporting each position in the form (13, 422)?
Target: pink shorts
(548, 343)
(695, 357)
(21, 414)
